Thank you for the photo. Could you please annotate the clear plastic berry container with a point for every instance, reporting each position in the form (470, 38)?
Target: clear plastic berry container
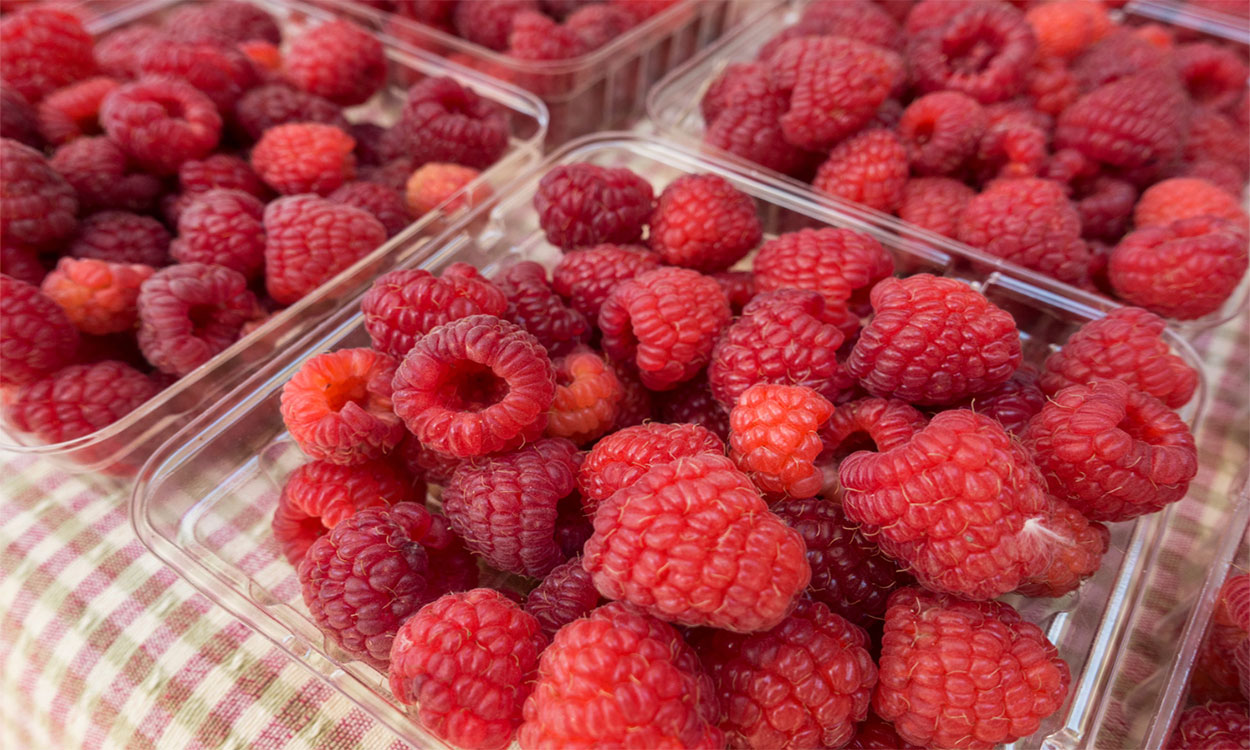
(203, 502)
(119, 449)
(1211, 21)
(673, 108)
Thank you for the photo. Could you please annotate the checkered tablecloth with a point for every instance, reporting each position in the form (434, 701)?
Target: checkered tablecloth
(102, 646)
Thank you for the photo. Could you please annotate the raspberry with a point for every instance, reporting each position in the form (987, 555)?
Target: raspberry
(373, 146)
(384, 203)
(73, 111)
(338, 61)
(425, 464)
(221, 73)
(869, 169)
(269, 106)
(1066, 28)
(1014, 402)
(566, 594)
(1027, 221)
(1014, 144)
(1112, 452)
(44, 49)
(580, 205)
(572, 526)
(1134, 122)
(119, 237)
(435, 183)
(933, 642)
(220, 171)
(533, 305)
(858, 19)
(338, 407)
(839, 263)
(588, 398)
(941, 130)
(1214, 677)
(984, 51)
(474, 386)
(98, 297)
(737, 566)
(18, 121)
(319, 495)
(1211, 725)
(37, 206)
(304, 158)
(1077, 548)
(36, 336)
(1184, 270)
(1105, 205)
(101, 175)
(309, 240)
(833, 85)
(1214, 137)
(21, 263)
(619, 678)
(738, 286)
(1127, 345)
(117, 53)
(78, 400)
(773, 437)
(1214, 76)
(586, 278)
(1184, 198)
(534, 36)
(1051, 86)
(665, 321)
(222, 227)
(874, 424)
(876, 733)
(161, 122)
(404, 305)
(971, 345)
(364, 578)
(802, 684)
(225, 20)
(735, 78)
(934, 14)
(692, 403)
(622, 458)
(743, 117)
(467, 662)
(445, 122)
(935, 203)
(189, 312)
(1120, 54)
(488, 22)
(703, 222)
(452, 567)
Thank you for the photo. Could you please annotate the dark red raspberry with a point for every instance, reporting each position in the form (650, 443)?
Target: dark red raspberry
(1067, 165)
(1211, 725)
(1184, 270)
(971, 345)
(220, 72)
(1185, 198)
(588, 398)
(535, 36)
(452, 567)
(466, 661)
(743, 116)
(475, 386)
(309, 240)
(319, 495)
(443, 121)
(585, 278)
(372, 145)
(665, 322)
(935, 203)
(1014, 144)
(22, 263)
(984, 51)
(572, 526)
(103, 177)
(1014, 402)
(1120, 54)
(220, 171)
(78, 400)
(404, 305)
(225, 20)
(36, 336)
(874, 424)
(876, 733)
(364, 578)
(1027, 221)
(1214, 76)
(566, 594)
(98, 297)
(580, 205)
(774, 438)
(1215, 137)
(804, 683)
(1126, 344)
(703, 222)
(738, 286)
(1112, 452)
(692, 403)
(1074, 549)
(1105, 205)
(869, 168)
(189, 312)
(1024, 680)
(1051, 86)
(304, 158)
(941, 130)
(37, 205)
(1214, 677)
(620, 678)
(385, 203)
(488, 22)
(622, 458)
(222, 227)
(161, 123)
(934, 14)
(1134, 122)
(338, 61)
(117, 53)
(857, 19)
(73, 111)
(277, 104)
(119, 237)
(43, 49)
(839, 263)
(17, 118)
(534, 305)
(425, 464)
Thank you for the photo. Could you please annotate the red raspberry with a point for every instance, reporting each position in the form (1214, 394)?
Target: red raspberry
(1051, 86)
(737, 567)
(36, 336)
(488, 22)
(1014, 402)
(364, 578)
(1214, 76)
(1027, 221)
(566, 594)
(1214, 677)
(636, 401)
(834, 86)
(103, 177)
(37, 205)
(1184, 270)
(869, 169)
(1075, 547)
(773, 436)
(222, 227)
(1215, 137)
(984, 51)
(18, 121)
(78, 400)
(1067, 166)
(467, 662)
(935, 203)
(222, 73)
(445, 122)
(161, 123)
(1210, 726)
(394, 173)
(979, 516)
(738, 286)
(941, 130)
(22, 263)
(431, 185)
(744, 115)
(534, 305)
(971, 344)
(220, 171)
(586, 278)
(119, 237)
(802, 684)
(385, 203)
(44, 49)
(73, 111)
(588, 398)
(267, 107)
(404, 305)
(537, 37)
(618, 678)
(425, 464)
(319, 495)
(1135, 122)
(309, 240)
(224, 20)
(1104, 206)
(874, 424)
(1120, 54)
(736, 78)
(475, 386)
(622, 458)
(98, 297)
(705, 223)
(338, 407)
(117, 53)
(857, 19)
(876, 733)
(338, 61)
(304, 158)
(373, 146)
(189, 312)
(580, 205)
(1065, 29)
(1112, 452)
(934, 14)
(933, 642)
(1126, 344)
(839, 263)
(1014, 144)
(664, 321)
(1184, 198)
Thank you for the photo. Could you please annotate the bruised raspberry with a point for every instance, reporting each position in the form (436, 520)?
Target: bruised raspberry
(935, 203)
(190, 312)
(622, 458)
(44, 49)
(309, 240)
(534, 305)
(941, 130)
(98, 297)
(703, 222)
(120, 237)
(404, 305)
(104, 177)
(385, 203)
(588, 398)
(585, 278)
(267, 107)
(1030, 222)
(73, 111)
(984, 51)
(338, 61)
(443, 121)
(581, 205)
(839, 263)
(774, 437)
(222, 227)
(36, 336)
(161, 123)
(566, 594)
(37, 205)
(78, 400)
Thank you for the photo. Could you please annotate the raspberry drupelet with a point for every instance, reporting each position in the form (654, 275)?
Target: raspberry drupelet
(309, 240)
(1211, 725)
(98, 297)
(747, 121)
(874, 424)
(1214, 677)
(583, 205)
(22, 263)
(433, 184)
(702, 221)
(1134, 122)
(36, 336)
(588, 398)
(220, 72)
(941, 131)
(161, 122)
(189, 312)
(78, 400)
(338, 61)
(404, 305)
(534, 305)
(773, 437)
(622, 458)
(565, 594)
(1184, 198)
(839, 263)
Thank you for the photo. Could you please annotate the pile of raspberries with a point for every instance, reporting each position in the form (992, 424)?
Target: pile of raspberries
(1219, 688)
(1110, 157)
(771, 508)
(166, 189)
